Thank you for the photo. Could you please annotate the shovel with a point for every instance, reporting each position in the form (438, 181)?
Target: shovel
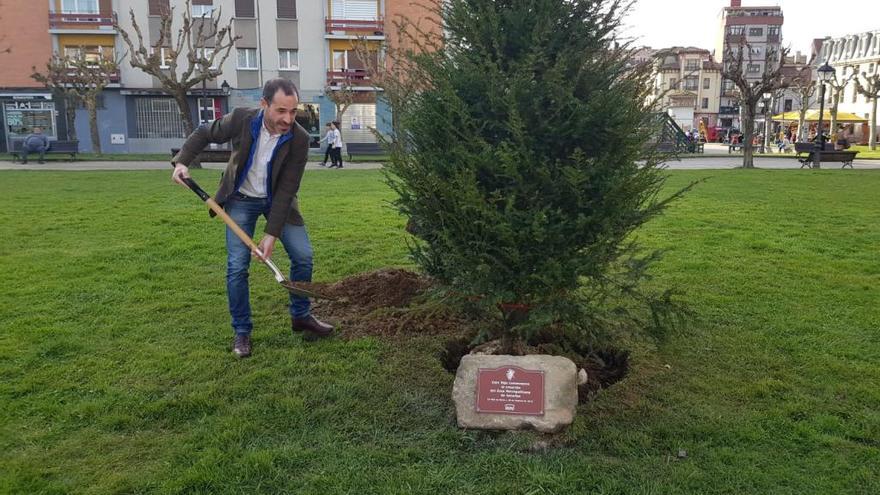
(279, 277)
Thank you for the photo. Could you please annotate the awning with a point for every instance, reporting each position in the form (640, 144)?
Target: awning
(813, 116)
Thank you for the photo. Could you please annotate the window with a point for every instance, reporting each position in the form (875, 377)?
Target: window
(244, 8)
(164, 57)
(286, 9)
(692, 64)
(158, 118)
(199, 10)
(247, 58)
(207, 53)
(23, 116)
(159, 7)
(753, 68)
(209, 110)
(727, 87)
(706, 83)
(787, 105)
(79, 6)
(756, 50)
(871, 68)
(673, 82)
(691, 83)
(340, 60)
(92, 54)
(705, 103)
(773, 30)
(736, 30)
(288, 59)
(756, 31)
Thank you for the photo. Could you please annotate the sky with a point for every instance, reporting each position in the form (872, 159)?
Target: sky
(665, 23)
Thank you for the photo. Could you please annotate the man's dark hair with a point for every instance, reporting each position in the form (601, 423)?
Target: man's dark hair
(273, 85)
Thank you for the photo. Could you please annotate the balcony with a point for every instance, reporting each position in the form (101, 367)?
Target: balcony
(99, 22)
(728, 110)
(772, 38)
(735, 39)
(353, 27)
(113, 76)
(348, 77)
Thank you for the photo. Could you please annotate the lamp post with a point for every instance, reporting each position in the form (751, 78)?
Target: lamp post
(826, 72)
(767, 112)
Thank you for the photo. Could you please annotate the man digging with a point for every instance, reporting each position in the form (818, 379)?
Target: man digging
(269, 153)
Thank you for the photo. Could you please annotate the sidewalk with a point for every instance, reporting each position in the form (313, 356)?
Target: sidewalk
(159, 165)
(704, 162)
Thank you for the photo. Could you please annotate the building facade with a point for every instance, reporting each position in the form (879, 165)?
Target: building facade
(318, 44)
(852, 55)
(759, 29)
(687, 82)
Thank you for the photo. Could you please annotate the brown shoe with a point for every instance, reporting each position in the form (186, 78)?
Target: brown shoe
(311, 327)
(241, 345)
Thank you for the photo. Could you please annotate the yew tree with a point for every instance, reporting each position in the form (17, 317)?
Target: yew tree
(516, 152)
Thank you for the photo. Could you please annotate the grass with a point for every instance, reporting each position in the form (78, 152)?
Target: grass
(115, 375)
(866, 152)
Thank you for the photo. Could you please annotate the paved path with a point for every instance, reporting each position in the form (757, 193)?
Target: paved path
(707, 162)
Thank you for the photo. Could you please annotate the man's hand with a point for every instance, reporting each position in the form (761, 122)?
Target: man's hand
(267, 244)
(181, 172)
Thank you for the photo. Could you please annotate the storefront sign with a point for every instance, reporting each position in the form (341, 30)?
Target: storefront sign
(510, 390)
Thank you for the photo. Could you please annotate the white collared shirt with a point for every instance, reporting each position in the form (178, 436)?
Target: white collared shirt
(255, 183)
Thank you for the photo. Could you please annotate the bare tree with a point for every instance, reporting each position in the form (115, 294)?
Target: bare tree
(196, 55)
(804, 89)
(342, 95)
(836, 86)
(869, 86)
(80, 80)
(737, 59)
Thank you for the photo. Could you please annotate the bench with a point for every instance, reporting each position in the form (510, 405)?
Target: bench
(697, 147)
(844, 157)
(365, 149)
(70, 148)
(734, 147)
(208, 155)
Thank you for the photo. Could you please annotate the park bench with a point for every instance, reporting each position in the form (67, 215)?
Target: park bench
(68, 148)
(844, 157)
(697, 147)
(208, 155)
(734, 147)
(364, 149)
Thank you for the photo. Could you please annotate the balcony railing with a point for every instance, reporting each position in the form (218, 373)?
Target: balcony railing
(79, 21)
(376, 27)
(735, 38)
(728, 110)
(348, 77)
(772, 38)
(113, 77)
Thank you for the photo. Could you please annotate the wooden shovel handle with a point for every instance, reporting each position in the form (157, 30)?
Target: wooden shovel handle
(216, 208)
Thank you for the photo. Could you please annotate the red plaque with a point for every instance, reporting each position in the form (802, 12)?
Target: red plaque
(510, 390)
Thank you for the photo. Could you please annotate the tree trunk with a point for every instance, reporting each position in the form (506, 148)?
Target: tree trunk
(872, 139)
(832, 129)
(92, 106)
(185, 112)
(748, 124)
(802, 122)
(70, 117)
(186, 118)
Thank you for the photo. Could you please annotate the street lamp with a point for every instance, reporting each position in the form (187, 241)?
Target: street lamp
(826, 72)
(225, 87)
(767, 112)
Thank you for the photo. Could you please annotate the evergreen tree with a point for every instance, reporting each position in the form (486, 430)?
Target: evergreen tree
(516, 156)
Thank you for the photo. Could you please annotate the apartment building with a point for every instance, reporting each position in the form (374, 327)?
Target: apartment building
(315, 43)
(849, 55)
(760, 29)
(688, 80)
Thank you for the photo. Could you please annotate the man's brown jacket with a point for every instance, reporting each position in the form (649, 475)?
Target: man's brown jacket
(241, 128)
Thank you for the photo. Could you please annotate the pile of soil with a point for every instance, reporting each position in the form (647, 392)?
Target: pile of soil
(394, 303)
(385, 303)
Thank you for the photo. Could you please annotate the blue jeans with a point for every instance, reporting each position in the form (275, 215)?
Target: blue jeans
(245, 211)
(25, 150)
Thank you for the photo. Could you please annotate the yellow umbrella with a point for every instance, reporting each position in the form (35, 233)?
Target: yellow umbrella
(813, 116)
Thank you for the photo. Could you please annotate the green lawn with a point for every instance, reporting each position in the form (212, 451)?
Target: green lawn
(115, 375)
(865, 152)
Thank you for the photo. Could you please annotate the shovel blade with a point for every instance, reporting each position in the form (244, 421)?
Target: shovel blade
(302, 292)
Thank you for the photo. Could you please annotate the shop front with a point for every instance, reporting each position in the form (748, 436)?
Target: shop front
(25, 111)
